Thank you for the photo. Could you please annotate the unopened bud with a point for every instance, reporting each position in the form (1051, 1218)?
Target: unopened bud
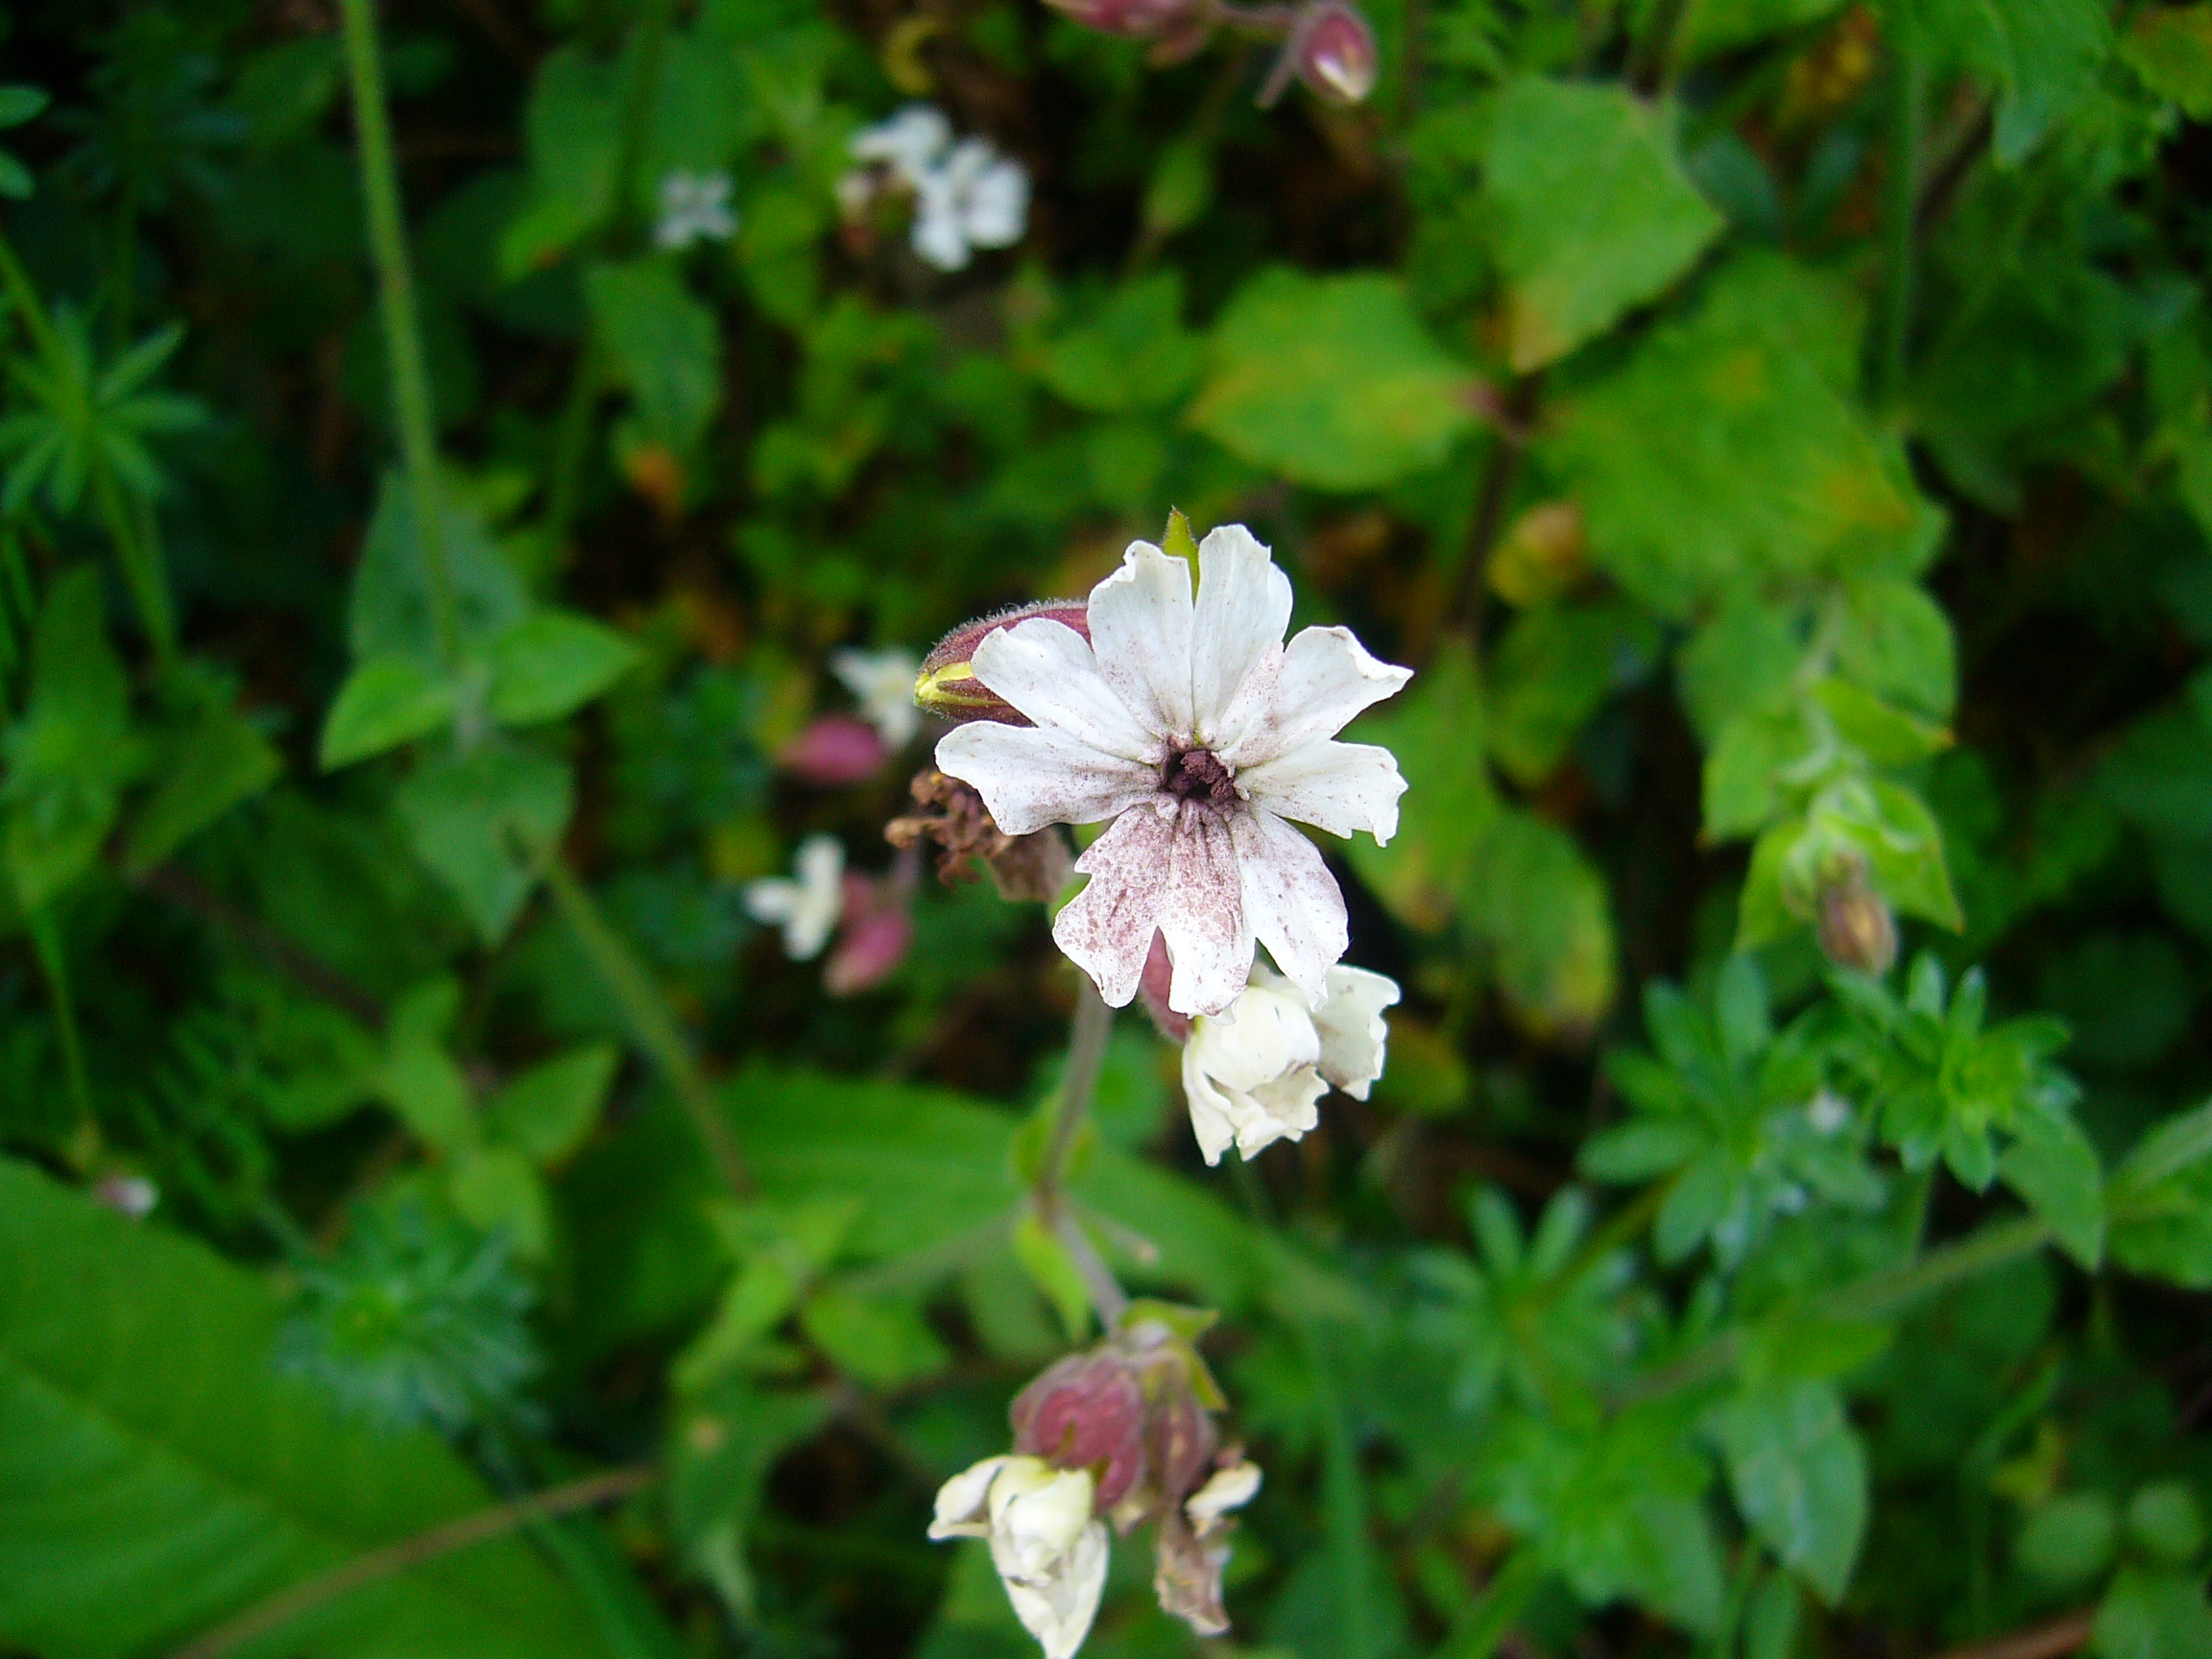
(1134, 19)
(833, 750)
(1086, 1413)
(873, 934)
(1333, 53)
(948, 686)
(1855, 924)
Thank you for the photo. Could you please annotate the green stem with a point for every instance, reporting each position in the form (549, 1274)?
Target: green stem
(1476, 1634)
(403, 357)
(54, 965)
(1343, 1504)
(1901, 209)
(1086, 1043)
(573, 441)
(651, 1023)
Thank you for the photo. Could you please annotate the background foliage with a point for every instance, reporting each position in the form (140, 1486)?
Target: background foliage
(1779, 432)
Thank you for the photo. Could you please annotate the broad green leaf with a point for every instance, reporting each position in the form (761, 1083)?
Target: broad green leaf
(2069, 1540)
(21, 104)
(551, 663)
(2171, 47)
(547, 1111)
(1723, 455)
(1129, 353)
(2150, 1614)
(2043, 55)
(2161, 1202)
(1716, 26)
(571, 129)
(2051, 1164)
(722, 1448)
(481, 822)
(1552, 670)
(1436, 730)
(385, 701)
(1892, 639)
(222, 761)
(663, 347)
(419, 1078)
(1541, 910)
(1330, 381)
(1053, 1270)
(882, 1341)
(496, 1190)
(2164, 1519)
(390, 615)
(157, 1476)
(1799, 1476)
(1740, 658)
(1593, 211)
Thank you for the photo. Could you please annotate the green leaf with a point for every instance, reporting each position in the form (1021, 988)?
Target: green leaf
(2153, 1615)
(21, 103)
(663, 347)
(496, 1190)
(1740, 659)
(2171, 47)
(2163, 1518)
(551, 663)
(547, 1111)
(1894, 641)
(721, 1450)
(157, 1476)
(385, 701)
(2051, 1166)
(15, 180)
(2069, 1540)
(418, 1078)
(1435, 729)
(1053, 1271)
(1552, 670)
(1330, 381)
(1716, 26)
(2161, 1202)
(390, 615)
(1799, 1474)
(478, 821)
(1130, 353)
(1593, 211)
(1726, 454)
(2043, 54)
(222, 761)
(1541, 908)
(879, 1341)
(572, 132)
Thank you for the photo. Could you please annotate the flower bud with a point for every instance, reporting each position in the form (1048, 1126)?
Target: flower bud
(1855, 924)
(1332, 52)
(947, 685)
(874, 935)
(1086, 1413)
(834, 750)
(1134, 19)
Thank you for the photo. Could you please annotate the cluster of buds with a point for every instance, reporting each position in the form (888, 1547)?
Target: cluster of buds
(1327, 46)
(1112, 1438)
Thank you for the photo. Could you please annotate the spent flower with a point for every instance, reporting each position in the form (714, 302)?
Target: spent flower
(1048, 1546)
(1191, 730)
(1256, 1075)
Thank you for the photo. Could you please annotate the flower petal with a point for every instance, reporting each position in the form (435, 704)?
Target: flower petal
(1243, 608)
(1291, 902)
(1031, 776)
(1339, 787)
(1212, 1114)
(1048, 671)
(1058, 1610)
(1202, 915)
(1308, 691)
(1226, 1489)
(960, 1500)
(1141, 619)
(1107, 928)
(1351, 1027)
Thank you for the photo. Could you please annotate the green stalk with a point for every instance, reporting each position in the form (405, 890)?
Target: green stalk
(1478, 1632)
(651, 1023)
(404, 358)
(1901, 209)
(54, 965)
(1343, 1505)
(1078, 1086)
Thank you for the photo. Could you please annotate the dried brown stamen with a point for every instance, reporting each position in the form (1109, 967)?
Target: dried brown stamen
(1197, 774)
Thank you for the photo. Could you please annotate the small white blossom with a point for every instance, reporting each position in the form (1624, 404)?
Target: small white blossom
(694, 205)
(1255, 1074)
(966, 195)
(808, 902)
(1193, 728)
(883, 680)
(1048, 1545)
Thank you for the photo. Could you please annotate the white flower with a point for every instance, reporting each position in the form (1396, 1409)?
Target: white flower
(976, 198)
(807, 904)
(966, 195)
(1252, 1076)
(1050, 1548)
(694, 205)
(1198, 733)
(883, 680)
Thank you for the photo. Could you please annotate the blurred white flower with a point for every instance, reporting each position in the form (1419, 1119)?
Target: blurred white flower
(883, 680)
(1254, 1075)
(966, 195)
(1047, 1544)
(807, 904)
(1200, 735)
(694, 205)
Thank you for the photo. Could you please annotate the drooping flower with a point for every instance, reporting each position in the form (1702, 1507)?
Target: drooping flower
(1201, 735)
(808, 902)
(1256, 1075)
(694, 207)
(1048, 1546)
(875, 930)
(834, 750)
(1333, 53)
(883, 683)
(966, 195)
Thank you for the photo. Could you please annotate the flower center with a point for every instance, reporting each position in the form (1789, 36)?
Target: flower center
(1197, 774)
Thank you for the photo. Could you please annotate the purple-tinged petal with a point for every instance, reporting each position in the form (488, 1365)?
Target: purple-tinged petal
(1049, 672)
(1340, 787)
(1303, 693)
(1031, 776)
(1202, 915)
(1243, 608)
(1291, 902)
(1140, 620)
(1107, 928)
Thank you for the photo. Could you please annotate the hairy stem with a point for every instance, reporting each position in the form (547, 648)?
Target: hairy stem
(651, 1022)
(403, 359)
(444, 1539)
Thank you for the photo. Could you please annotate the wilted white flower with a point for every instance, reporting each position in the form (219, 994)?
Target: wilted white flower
(976, 198)
(805, 904)
(966, 195)
(1048, 1546)
(1254, 1075)
(694, 205)
(883, 680)
(1199, 734)
(1225, 1489)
